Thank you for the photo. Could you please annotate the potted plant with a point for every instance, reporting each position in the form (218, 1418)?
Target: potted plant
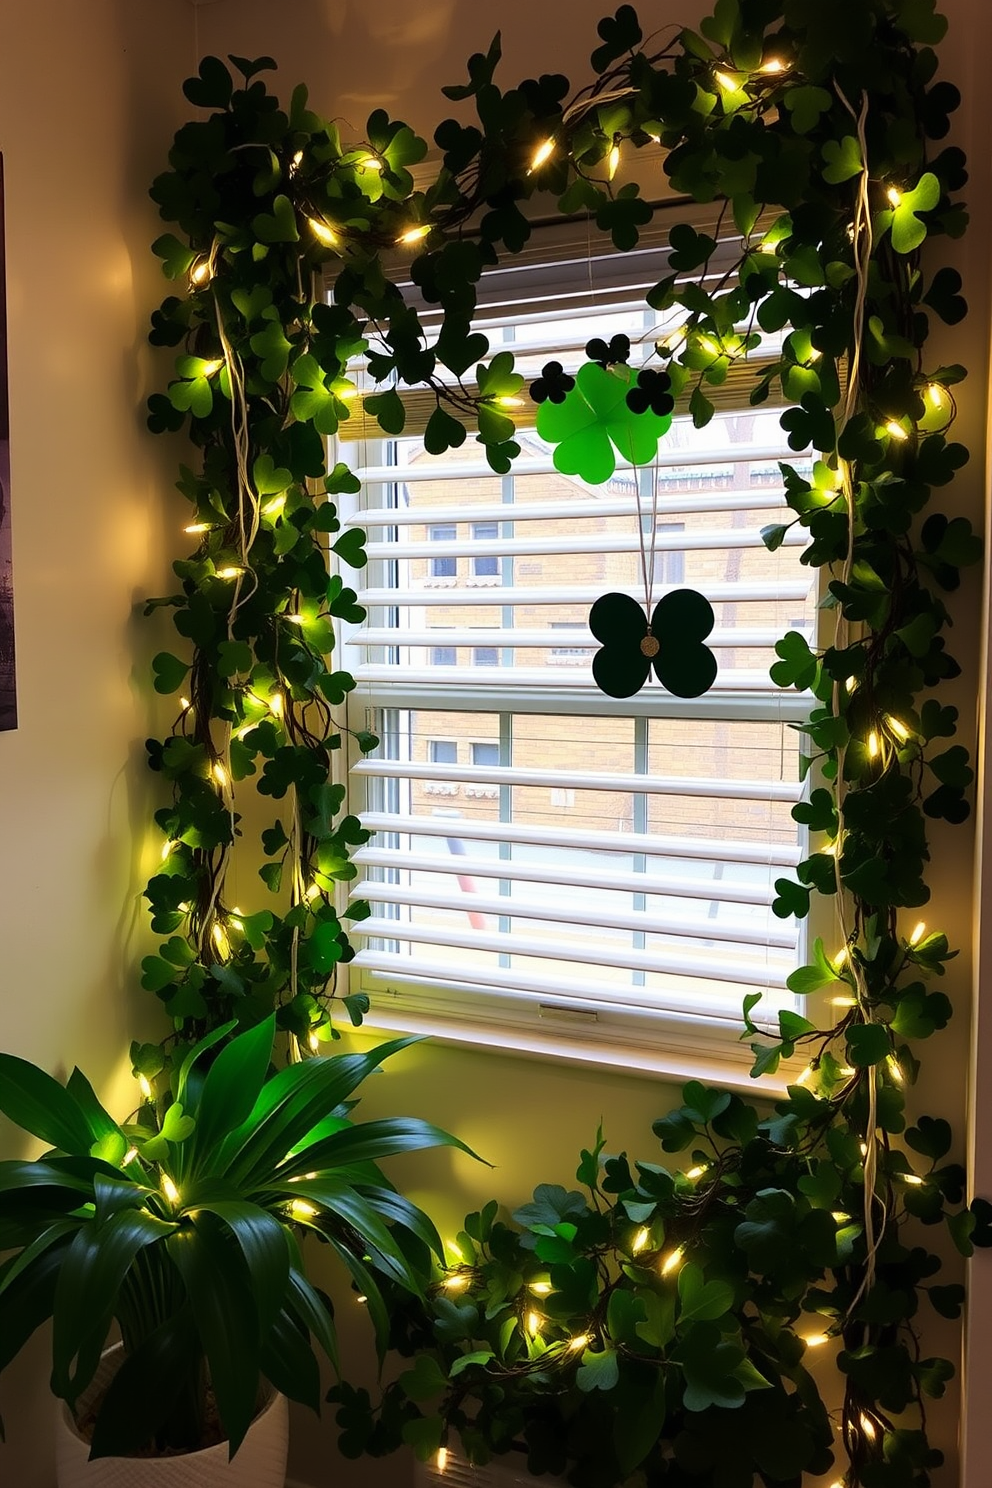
(184, 1228)
(660, 1325)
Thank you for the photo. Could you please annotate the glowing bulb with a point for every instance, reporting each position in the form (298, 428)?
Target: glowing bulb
(851, 684)
(361, 1297)
(209, 368)
(806, 1075)
(414, 234)
(185, 704)
(816, 1340)
(129, 1156)
(672, 340)
(300, 1209)
(847, 1070)
(895, 1069)
(640, 1240)
(540, 1288)
(726, 81)
(579, 1342)
(508, 402)
(774, 64)
(673, 1261)
(829, 850)
(541, 154)
(144, 1087)
(613, 161)
(912, 1178)
(918, 933)
(220, 775)
(322, 232)
(274, 507)
(534, 1321)
(201, 273)
(296, 162)
(312, 893)
(708, 344)
(455, 1283)
(842, 1002)
(894, 196)
(221, 941)
(696, 1172)
(897, 727)
(840, 958)
(370, 163)
(167, 849)
(839, 1216)
(276, 704)
(169, 1189)
(868, 1427)
(314, 1043)
(232, 572)
(873, 745)
(896, 430)
(296, 619)
(197, 527)
(442, 1459)
(864, 1149)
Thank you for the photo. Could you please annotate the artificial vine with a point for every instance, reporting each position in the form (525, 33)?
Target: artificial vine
(819, 130)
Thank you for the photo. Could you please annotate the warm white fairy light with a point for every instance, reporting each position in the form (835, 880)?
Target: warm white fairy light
(897, 727)
(194, 527)
(640, 1240)
(613, 161)
(726, 82)
(894, 195)
(201, 273)
(774, 64)
(231, 572)
(842, 1002)
(129, 1156)
(895, 1070)
(913, 1179)
(919, 931)
(840, 958)
(442, 1459)
(221, 941)
(896, 430)
(534, 1321)
(673, 1261)
(509, 402)
(274, 507)
(169, 1189)
(185, 704)
(209, 368)
(276, 704)
(220, 775)
(314, 1043)
(455, 1283)
(541, 155)
(414, 234)
(697, 1171)
(145, 1087)
(300, 1209)
(580, 1341)
(540, 1288)
(805, 1076)
(868, 1427)
(322, 232)
(370, 163)
(296, 162)
(873, 745)
(816, 1340)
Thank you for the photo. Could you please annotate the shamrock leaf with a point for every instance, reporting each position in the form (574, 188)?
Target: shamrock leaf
(169, 672)
(654, 391)
(177, 258)
(806, 103)
(842, 159)
(608, 355)
(672, 644)
(908, 232)
(277, 226)
(552, 385)
(593, 421)
(313, 400)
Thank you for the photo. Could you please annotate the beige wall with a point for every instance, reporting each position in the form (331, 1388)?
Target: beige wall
(89, 97)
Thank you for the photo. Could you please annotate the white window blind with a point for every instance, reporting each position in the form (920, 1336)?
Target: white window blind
(545, 855)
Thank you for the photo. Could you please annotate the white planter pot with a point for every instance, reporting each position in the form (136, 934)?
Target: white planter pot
(260, 1462)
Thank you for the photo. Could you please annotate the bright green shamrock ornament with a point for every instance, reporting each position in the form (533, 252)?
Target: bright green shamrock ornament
(593, 423)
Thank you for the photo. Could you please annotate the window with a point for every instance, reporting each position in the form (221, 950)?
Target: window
(485, 565)
(605, 875)
(443, 751)
(445, 567)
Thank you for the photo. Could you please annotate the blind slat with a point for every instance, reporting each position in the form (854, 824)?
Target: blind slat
(453, 824)
(525, 465)
(643, 922)
(668, 785)
(581, 638)
(718, 500)
(566, 875)
(693, 540)
(736, 968)
(585, 594)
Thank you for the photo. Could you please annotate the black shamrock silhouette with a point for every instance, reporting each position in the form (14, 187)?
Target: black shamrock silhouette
(552, 385)
(672, 644)
(654, 391)
(608, 356)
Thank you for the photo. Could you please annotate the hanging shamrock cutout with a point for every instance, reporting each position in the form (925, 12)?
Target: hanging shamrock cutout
(609, 356)
(672, 644)
(593, 422)
(552, 385)
(654, 391)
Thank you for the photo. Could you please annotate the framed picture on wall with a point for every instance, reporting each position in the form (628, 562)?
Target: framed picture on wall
(8, 692)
